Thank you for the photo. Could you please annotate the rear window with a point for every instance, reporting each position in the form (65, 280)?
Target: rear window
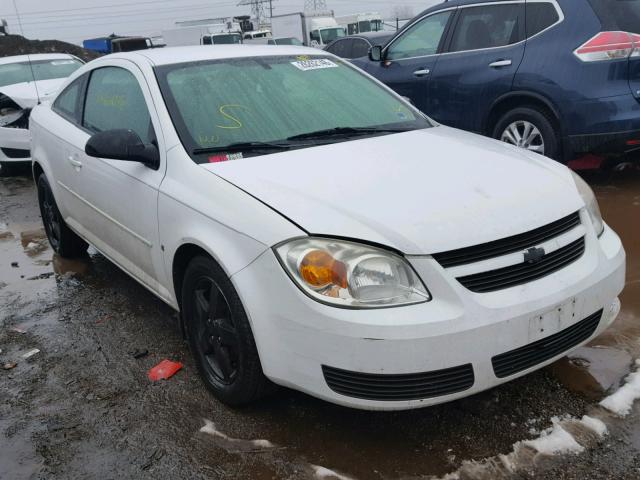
(618, 14)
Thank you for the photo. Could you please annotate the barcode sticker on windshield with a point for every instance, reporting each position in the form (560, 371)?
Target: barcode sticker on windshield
(314, 64)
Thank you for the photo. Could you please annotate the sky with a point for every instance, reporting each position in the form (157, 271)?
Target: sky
(75, 20)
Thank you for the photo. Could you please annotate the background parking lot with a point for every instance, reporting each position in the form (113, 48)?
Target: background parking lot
(83, 406)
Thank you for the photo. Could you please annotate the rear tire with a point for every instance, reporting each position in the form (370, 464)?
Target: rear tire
(220, 336)
(63, 240)
(529, 128)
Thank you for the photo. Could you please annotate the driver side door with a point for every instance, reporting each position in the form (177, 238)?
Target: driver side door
(116, 201)
(410, 59)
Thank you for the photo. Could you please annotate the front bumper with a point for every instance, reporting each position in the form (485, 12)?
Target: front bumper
(15, 145)
(296, 337)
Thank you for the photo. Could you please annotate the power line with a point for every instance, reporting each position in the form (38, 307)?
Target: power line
(315, 6)
(258, 8)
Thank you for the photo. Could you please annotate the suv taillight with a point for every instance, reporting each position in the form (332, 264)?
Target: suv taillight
(609, 46)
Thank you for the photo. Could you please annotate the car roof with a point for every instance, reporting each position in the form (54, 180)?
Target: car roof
(34, 57)
(197, 53)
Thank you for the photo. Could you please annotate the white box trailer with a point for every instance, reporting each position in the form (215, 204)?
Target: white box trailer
(361, 22)
(312, 29)
(217, 34)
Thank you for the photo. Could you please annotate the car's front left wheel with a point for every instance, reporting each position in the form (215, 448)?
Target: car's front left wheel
(64, 241)
(220, 335)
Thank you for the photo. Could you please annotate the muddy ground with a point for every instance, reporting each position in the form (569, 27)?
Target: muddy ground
(83, 407)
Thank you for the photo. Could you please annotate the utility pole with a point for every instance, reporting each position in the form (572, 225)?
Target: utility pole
(257, 8)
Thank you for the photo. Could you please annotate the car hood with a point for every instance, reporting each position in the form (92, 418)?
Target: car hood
(26, 94)
(419, 192)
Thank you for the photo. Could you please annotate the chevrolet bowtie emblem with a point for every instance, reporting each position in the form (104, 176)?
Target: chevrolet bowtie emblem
(534, 255)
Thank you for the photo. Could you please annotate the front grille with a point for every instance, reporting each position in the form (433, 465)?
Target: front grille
(505, 246)
(521, 359)
(16, 152)
(413, 386)
(521, 273)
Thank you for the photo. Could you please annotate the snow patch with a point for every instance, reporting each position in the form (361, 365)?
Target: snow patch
(622, 400)
(322, 473)
(555, 440)
(596, 425)
(210, 428)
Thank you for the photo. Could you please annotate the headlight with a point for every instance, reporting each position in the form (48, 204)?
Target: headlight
(591, 203)
(351, 275)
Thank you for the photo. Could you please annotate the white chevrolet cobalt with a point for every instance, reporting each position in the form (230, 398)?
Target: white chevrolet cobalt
(318, 232)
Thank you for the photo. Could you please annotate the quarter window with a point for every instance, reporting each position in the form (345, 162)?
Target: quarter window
(486, 27)
(114, 101)
(540, 16)
(421, 39)
(67, 102)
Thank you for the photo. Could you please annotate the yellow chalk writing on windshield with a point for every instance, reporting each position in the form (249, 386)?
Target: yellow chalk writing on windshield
(236, 122)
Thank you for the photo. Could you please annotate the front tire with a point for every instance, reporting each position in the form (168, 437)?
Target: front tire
(220, 336)
(531, 129)
(64, 241)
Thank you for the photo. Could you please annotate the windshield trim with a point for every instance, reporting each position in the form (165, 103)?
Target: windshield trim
(190, 146)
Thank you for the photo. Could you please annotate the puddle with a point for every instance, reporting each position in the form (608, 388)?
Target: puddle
(602, 366)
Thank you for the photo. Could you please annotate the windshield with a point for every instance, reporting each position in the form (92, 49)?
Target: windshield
(330, 34)
(13, 73)
(222, 103)
(130, 45)
(231, 38)
(288, 41)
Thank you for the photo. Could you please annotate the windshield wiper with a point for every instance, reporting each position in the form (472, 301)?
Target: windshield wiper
(245, 147)
(345, 131)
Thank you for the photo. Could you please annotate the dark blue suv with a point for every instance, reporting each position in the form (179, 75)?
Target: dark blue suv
(559, 77)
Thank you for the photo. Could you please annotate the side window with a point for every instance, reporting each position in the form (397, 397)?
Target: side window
(67, 102)
(486, 27)
(359, 48)
(421, 39)
(340, 48)
(540, 16)
(206, 40)
(315, 36)
(114, 100)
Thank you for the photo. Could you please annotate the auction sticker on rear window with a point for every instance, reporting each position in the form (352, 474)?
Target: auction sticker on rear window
(314, 64)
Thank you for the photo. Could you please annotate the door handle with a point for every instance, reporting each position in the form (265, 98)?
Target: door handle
(74, 161)
(500, 63)
(423, 72)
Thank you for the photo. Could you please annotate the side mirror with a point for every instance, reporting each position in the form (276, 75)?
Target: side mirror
(375, 53)
(124, 145)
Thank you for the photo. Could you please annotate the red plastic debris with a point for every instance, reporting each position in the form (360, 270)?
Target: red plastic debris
(164, 370)
(588, 162)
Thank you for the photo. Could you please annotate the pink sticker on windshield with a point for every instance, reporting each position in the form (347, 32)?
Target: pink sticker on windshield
(225, 157)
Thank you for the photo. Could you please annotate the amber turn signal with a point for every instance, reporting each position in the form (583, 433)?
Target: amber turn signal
(319, 269)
